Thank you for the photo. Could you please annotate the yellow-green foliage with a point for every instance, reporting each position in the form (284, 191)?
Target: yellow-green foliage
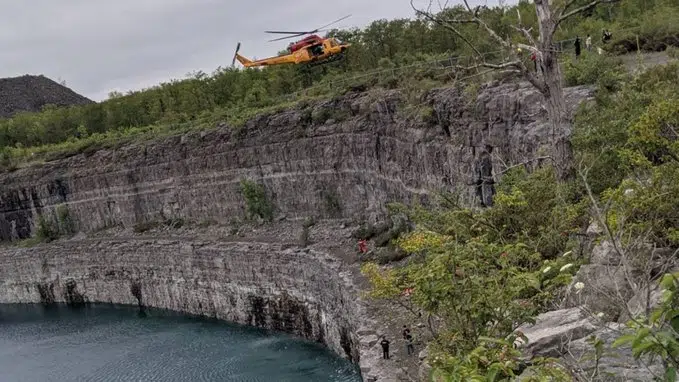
(657, 334)
(630, 144)
(483, 272)
(656, 134)
(602, 128)
(420, 240)
(593, 68)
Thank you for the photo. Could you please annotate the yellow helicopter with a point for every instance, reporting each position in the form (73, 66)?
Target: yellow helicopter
(312, 50)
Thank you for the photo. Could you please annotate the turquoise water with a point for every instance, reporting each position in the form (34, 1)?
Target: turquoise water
(114, 343)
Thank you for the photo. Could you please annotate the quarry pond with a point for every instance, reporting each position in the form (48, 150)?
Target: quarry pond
(117, 343)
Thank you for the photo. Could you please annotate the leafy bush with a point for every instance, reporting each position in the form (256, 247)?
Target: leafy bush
(257, 203)
(47, 230)
(66, 223)
(653, 30)
(657, 334)
(482, 273)
(592, 68)
(332, 202)
(602, 129)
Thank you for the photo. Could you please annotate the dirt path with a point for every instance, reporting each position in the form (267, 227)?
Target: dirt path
(647, 59)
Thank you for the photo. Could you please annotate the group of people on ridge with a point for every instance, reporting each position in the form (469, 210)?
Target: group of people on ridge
(410, 349)
(605, 37)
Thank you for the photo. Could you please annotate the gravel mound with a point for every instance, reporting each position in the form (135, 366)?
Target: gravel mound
(31, 93)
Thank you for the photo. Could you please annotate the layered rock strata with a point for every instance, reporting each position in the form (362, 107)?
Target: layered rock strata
(303, 292)
(340, 158)
(343, 158)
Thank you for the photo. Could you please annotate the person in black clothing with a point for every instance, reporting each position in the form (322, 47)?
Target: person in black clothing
(385, 348)
(577, 46)
(409, 347)
(406, 332)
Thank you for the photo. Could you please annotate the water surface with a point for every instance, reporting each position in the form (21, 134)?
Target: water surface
(115, 343)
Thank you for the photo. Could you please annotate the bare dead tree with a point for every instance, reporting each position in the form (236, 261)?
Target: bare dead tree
(548, 80)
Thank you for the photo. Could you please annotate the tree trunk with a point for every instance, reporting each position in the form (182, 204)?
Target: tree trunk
(558, 117)
(552, 91)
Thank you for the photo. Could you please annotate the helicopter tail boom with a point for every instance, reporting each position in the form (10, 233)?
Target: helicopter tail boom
(243, 60)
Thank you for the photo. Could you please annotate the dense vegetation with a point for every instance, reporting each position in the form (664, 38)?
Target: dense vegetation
(481, 273)
(234, 95)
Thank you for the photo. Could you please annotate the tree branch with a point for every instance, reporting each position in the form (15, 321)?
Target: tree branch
(504, 43)
(584, 8)
(448, 24)
(524, 31)
(566, 6)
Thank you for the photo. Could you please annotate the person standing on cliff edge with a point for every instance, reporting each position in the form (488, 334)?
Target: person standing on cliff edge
(362, 246)
(385, 348)
(406, 332)
(410, 349)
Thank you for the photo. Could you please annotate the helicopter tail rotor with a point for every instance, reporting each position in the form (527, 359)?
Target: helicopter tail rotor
(235, 55)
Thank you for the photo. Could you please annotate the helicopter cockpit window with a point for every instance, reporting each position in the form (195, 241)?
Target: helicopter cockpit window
(316, 50)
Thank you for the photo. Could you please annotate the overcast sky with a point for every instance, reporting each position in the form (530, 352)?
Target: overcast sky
(98, 46)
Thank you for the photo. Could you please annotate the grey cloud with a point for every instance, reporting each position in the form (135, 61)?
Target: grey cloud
(100, 45)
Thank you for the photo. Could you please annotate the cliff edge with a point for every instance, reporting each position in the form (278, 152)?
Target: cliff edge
(338, 162)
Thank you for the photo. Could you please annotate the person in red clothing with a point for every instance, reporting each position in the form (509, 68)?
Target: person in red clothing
(534, 58)
(362, 246)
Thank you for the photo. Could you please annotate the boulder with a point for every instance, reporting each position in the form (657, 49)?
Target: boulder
(424, 371)
(604, 289)
(567, 335)
(552, 331)
(615, 364)
(605, 254)
(594, 229)
(646, 298)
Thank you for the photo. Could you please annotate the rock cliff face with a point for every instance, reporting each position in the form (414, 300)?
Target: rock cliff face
(339, 158)
(302, 292)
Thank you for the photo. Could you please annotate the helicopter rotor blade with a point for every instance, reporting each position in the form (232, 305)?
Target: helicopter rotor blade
(296, 34)
(334, 22)
(280, 32)
(287, 37)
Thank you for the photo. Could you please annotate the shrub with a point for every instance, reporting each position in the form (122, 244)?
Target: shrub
(66, 222)
(47, 230)
(601, 129)
(592, 68)
(257, 203)
(332, 203)
(304, 234)
(654, 31)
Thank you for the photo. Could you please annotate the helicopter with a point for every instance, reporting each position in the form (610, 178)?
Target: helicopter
(312, 50)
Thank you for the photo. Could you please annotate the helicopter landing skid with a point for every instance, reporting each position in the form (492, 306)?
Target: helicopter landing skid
(328, 60)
